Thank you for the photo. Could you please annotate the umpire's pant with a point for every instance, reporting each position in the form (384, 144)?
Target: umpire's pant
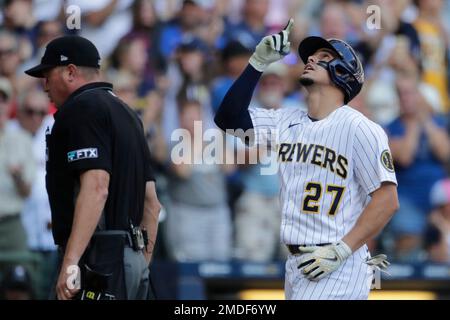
(136, 275)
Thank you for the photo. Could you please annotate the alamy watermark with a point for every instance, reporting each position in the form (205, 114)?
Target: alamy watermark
(73, 281)
(373, 21)
(212, 147)
(73, 17)
(374, 282)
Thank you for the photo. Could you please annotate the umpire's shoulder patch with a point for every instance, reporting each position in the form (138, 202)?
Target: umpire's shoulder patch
(88, 153)
(386, 160)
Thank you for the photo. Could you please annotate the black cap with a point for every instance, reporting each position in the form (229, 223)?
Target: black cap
(67, 50)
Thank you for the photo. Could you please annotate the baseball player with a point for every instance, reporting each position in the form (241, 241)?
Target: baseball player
(337, 174)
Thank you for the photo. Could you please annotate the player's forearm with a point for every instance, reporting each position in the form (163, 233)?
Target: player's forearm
(233, 111)
(376, 215)
(150, 218)
(88, 210)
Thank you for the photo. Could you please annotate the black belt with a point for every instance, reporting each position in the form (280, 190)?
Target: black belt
(125, 234)
(294, 248)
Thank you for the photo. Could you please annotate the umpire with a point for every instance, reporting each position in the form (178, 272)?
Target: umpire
(99, 181)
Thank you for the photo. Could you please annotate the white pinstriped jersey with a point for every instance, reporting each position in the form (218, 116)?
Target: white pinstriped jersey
(327, 169)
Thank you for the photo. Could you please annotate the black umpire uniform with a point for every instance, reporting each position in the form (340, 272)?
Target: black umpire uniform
(93, 129)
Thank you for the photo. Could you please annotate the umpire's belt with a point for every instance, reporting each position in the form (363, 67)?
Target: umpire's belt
(123, 233)
(294, 248)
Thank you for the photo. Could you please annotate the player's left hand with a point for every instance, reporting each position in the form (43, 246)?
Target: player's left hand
(318, 262)
(272, 48)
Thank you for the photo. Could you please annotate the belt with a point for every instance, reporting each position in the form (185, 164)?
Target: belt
(294, 248)
(125, 234)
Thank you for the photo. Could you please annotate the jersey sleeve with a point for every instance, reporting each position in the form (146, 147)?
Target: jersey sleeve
(89, 140)
(265, 125)
(372, 157)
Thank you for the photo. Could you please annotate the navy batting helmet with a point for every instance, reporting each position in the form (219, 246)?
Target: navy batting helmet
(345, 71)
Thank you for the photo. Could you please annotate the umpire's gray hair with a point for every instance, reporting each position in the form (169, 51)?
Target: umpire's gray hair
(89, 73)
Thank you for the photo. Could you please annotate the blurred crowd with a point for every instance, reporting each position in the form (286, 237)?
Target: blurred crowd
(173, 61)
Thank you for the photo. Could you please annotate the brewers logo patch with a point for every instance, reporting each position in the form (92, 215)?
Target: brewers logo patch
(386, 160)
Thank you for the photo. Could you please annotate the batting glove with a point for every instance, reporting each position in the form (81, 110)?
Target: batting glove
(379, 262)
(318, 262)
(272, 48)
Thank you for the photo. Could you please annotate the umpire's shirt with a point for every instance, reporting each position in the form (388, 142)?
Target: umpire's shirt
(94, 129)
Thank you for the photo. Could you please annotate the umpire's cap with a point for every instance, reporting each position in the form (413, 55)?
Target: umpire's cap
(65, 50)
(345, 71)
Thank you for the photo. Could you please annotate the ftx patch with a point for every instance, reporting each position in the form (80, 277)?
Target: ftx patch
(88, 153)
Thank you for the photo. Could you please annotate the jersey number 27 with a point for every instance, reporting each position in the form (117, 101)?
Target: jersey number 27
(313, 191)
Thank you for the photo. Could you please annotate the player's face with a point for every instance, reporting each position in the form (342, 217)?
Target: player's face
(315, 74)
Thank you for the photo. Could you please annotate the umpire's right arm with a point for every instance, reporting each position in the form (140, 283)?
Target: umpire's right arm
(150, 218)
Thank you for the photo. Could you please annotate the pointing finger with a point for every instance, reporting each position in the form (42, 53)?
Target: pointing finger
(289, 26)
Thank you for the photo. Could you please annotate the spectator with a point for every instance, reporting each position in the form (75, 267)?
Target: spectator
(190, 17)
(151, 118)
(46, 32)
(18, 17)
(382, 102)
(433, 40)
(437, 238)
(167, 9)
(17, 170)
(252, 28)
(234, 60)
(47, 10)
(152, 121)
(279, 12)
(146, 23)
(213, 27)
(9, 59)
(125, 87)
(420, 147)
(105, 22)
(189, 81)
(32, 116)
(333, 23)
(400, 61)
(199, 223)
(376, 46)
(131, 56)
(17, 284)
